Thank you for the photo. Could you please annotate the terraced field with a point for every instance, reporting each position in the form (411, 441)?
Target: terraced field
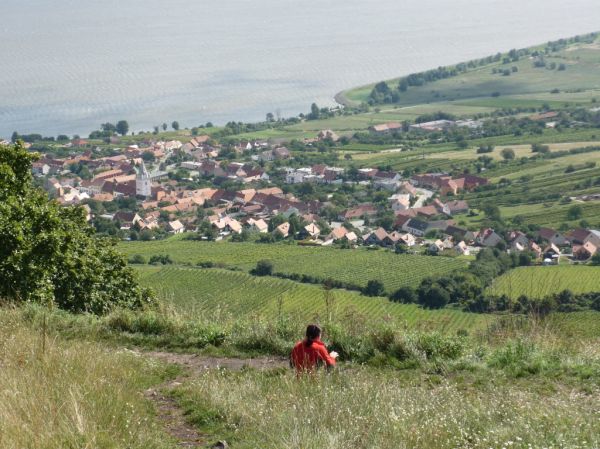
(537, 282)
(351, 266)
(222, 294)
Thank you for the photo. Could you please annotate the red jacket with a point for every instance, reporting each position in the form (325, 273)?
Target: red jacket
(306, 358)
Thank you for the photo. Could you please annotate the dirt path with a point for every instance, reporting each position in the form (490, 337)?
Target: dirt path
(168, 412)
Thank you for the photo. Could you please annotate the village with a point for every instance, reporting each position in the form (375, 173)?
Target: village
(252, 194)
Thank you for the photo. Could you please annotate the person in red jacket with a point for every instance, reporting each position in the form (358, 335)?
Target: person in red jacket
(311, 352)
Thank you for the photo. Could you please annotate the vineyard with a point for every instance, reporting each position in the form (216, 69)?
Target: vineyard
(537, 282)
(350, 266)
(222, 295)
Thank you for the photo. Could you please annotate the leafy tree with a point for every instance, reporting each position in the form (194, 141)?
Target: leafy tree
(175, 125)
(164, 126)
(575, 212)
(508, 154)
(404, 295)
(49, 254)
(15, 137)
(122, 127)
(433, 296)
(374, 288)
(263, 268)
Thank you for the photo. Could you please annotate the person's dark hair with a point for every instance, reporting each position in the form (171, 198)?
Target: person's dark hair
(312, 333)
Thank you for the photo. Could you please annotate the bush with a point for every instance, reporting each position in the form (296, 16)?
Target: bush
(263, 268)
(137, 259)
(433, 296)
(405, 295)
(374, 288)
(160, 259)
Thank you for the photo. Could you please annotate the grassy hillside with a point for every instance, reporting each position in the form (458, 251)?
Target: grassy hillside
(352, 266)
(521, 88)
(224, 295)
(538, 282)
(74, 394)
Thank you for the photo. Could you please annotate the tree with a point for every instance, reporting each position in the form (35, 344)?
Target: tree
(405, 295)
(263, 268)
(270, 117)
(508, 154)
(49, 254)
(575, 212)
(433, 296)
(314, 112)
(15, 137)
(374, 288)
(122, 127)
(175, 125)
(164, 126)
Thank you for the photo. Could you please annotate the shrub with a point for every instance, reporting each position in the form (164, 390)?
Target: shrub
(263, 268)
(374, 288)
(137, 259)
(160, 259)
(405, 295)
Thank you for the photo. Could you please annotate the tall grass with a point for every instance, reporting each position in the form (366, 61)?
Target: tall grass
(74, 394)
(369, 408)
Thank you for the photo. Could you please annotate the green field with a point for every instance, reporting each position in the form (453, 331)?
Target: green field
(537, 282)
(224, 295)
(581, 61)
(351, 266)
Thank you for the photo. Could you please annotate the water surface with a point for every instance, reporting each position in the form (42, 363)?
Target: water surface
(69, 65)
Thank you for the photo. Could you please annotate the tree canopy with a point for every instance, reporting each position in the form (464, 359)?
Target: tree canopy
(49, 254)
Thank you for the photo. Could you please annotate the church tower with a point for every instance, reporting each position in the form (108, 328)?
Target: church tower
(143, 183)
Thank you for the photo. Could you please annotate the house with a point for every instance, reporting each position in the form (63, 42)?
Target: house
(175, 227)
(283, 229)
(385, 128)
(435, 125)
(311, 230)
(407, 188)
(518, 240)
(535, 248)
(337, 233)
(552, 236)
(551, 252)
(407, 240)
(489, 238)
(357, 212)
(416, 227)
(400, 202)
(584, 251)
(392, 238)
(462, 248)
(457, 207)
(351, 237)
(376, 237)
(259, 225)
(581, 236)
(127, 220)
(437, 246)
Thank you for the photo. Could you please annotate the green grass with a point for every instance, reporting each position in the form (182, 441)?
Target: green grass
(75, 394)
(537, 282)
(350, 266)
(224, 295)
(480, 83)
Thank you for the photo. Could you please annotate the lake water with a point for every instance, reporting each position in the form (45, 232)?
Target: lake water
(69, 65)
